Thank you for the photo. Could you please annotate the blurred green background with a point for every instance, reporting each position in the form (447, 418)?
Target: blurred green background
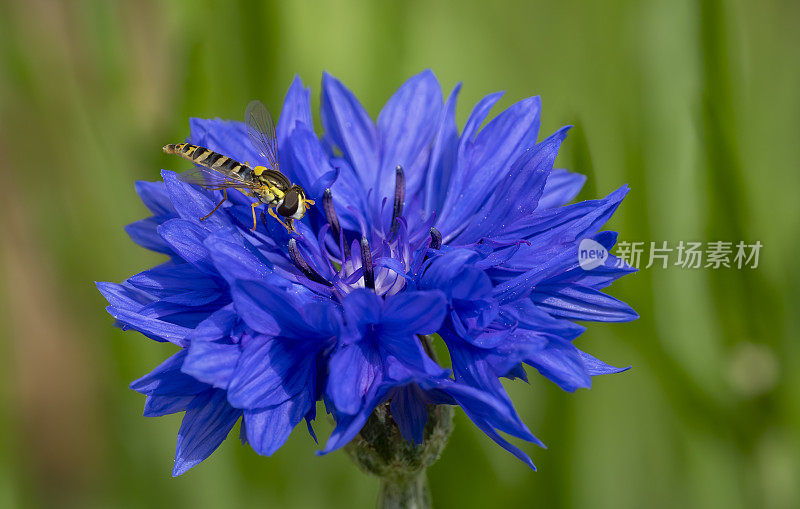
(694, 104)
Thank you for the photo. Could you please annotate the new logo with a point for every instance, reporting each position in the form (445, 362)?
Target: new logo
(591, 254)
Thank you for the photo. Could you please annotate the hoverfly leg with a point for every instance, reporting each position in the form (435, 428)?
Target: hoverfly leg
(224, 199)
(273, 214)
(253, 207)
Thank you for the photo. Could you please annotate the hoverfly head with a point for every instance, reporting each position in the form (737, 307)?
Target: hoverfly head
(294, 204)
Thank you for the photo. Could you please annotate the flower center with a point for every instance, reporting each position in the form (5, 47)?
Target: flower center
(383, 267)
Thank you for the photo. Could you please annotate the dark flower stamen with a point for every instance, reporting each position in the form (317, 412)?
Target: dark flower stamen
(436, 239)
(333, 220)
(304, 267)
(399, 198)
(330, 213)
(366, 264)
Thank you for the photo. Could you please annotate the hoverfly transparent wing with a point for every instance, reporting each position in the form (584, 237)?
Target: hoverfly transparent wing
(211, 179)
(261, 129)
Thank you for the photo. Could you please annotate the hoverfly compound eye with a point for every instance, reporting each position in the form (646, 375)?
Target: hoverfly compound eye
(290, 204)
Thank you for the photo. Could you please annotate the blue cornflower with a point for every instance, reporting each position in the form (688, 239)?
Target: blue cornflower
(419, 230)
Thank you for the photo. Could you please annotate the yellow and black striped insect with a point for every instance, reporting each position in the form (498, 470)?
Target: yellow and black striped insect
(267, 183)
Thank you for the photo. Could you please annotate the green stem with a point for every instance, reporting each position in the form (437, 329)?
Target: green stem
(405, 492)
(380, 449)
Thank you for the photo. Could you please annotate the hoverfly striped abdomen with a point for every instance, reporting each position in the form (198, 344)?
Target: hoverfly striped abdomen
(210, 159)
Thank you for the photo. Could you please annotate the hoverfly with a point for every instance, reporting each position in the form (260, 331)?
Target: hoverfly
(267, 183)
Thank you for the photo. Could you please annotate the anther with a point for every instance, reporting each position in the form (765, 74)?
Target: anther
(333, 220)
(436, 239)
(304, 267)
(366, 264)
(399, 198)
(330, 213)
